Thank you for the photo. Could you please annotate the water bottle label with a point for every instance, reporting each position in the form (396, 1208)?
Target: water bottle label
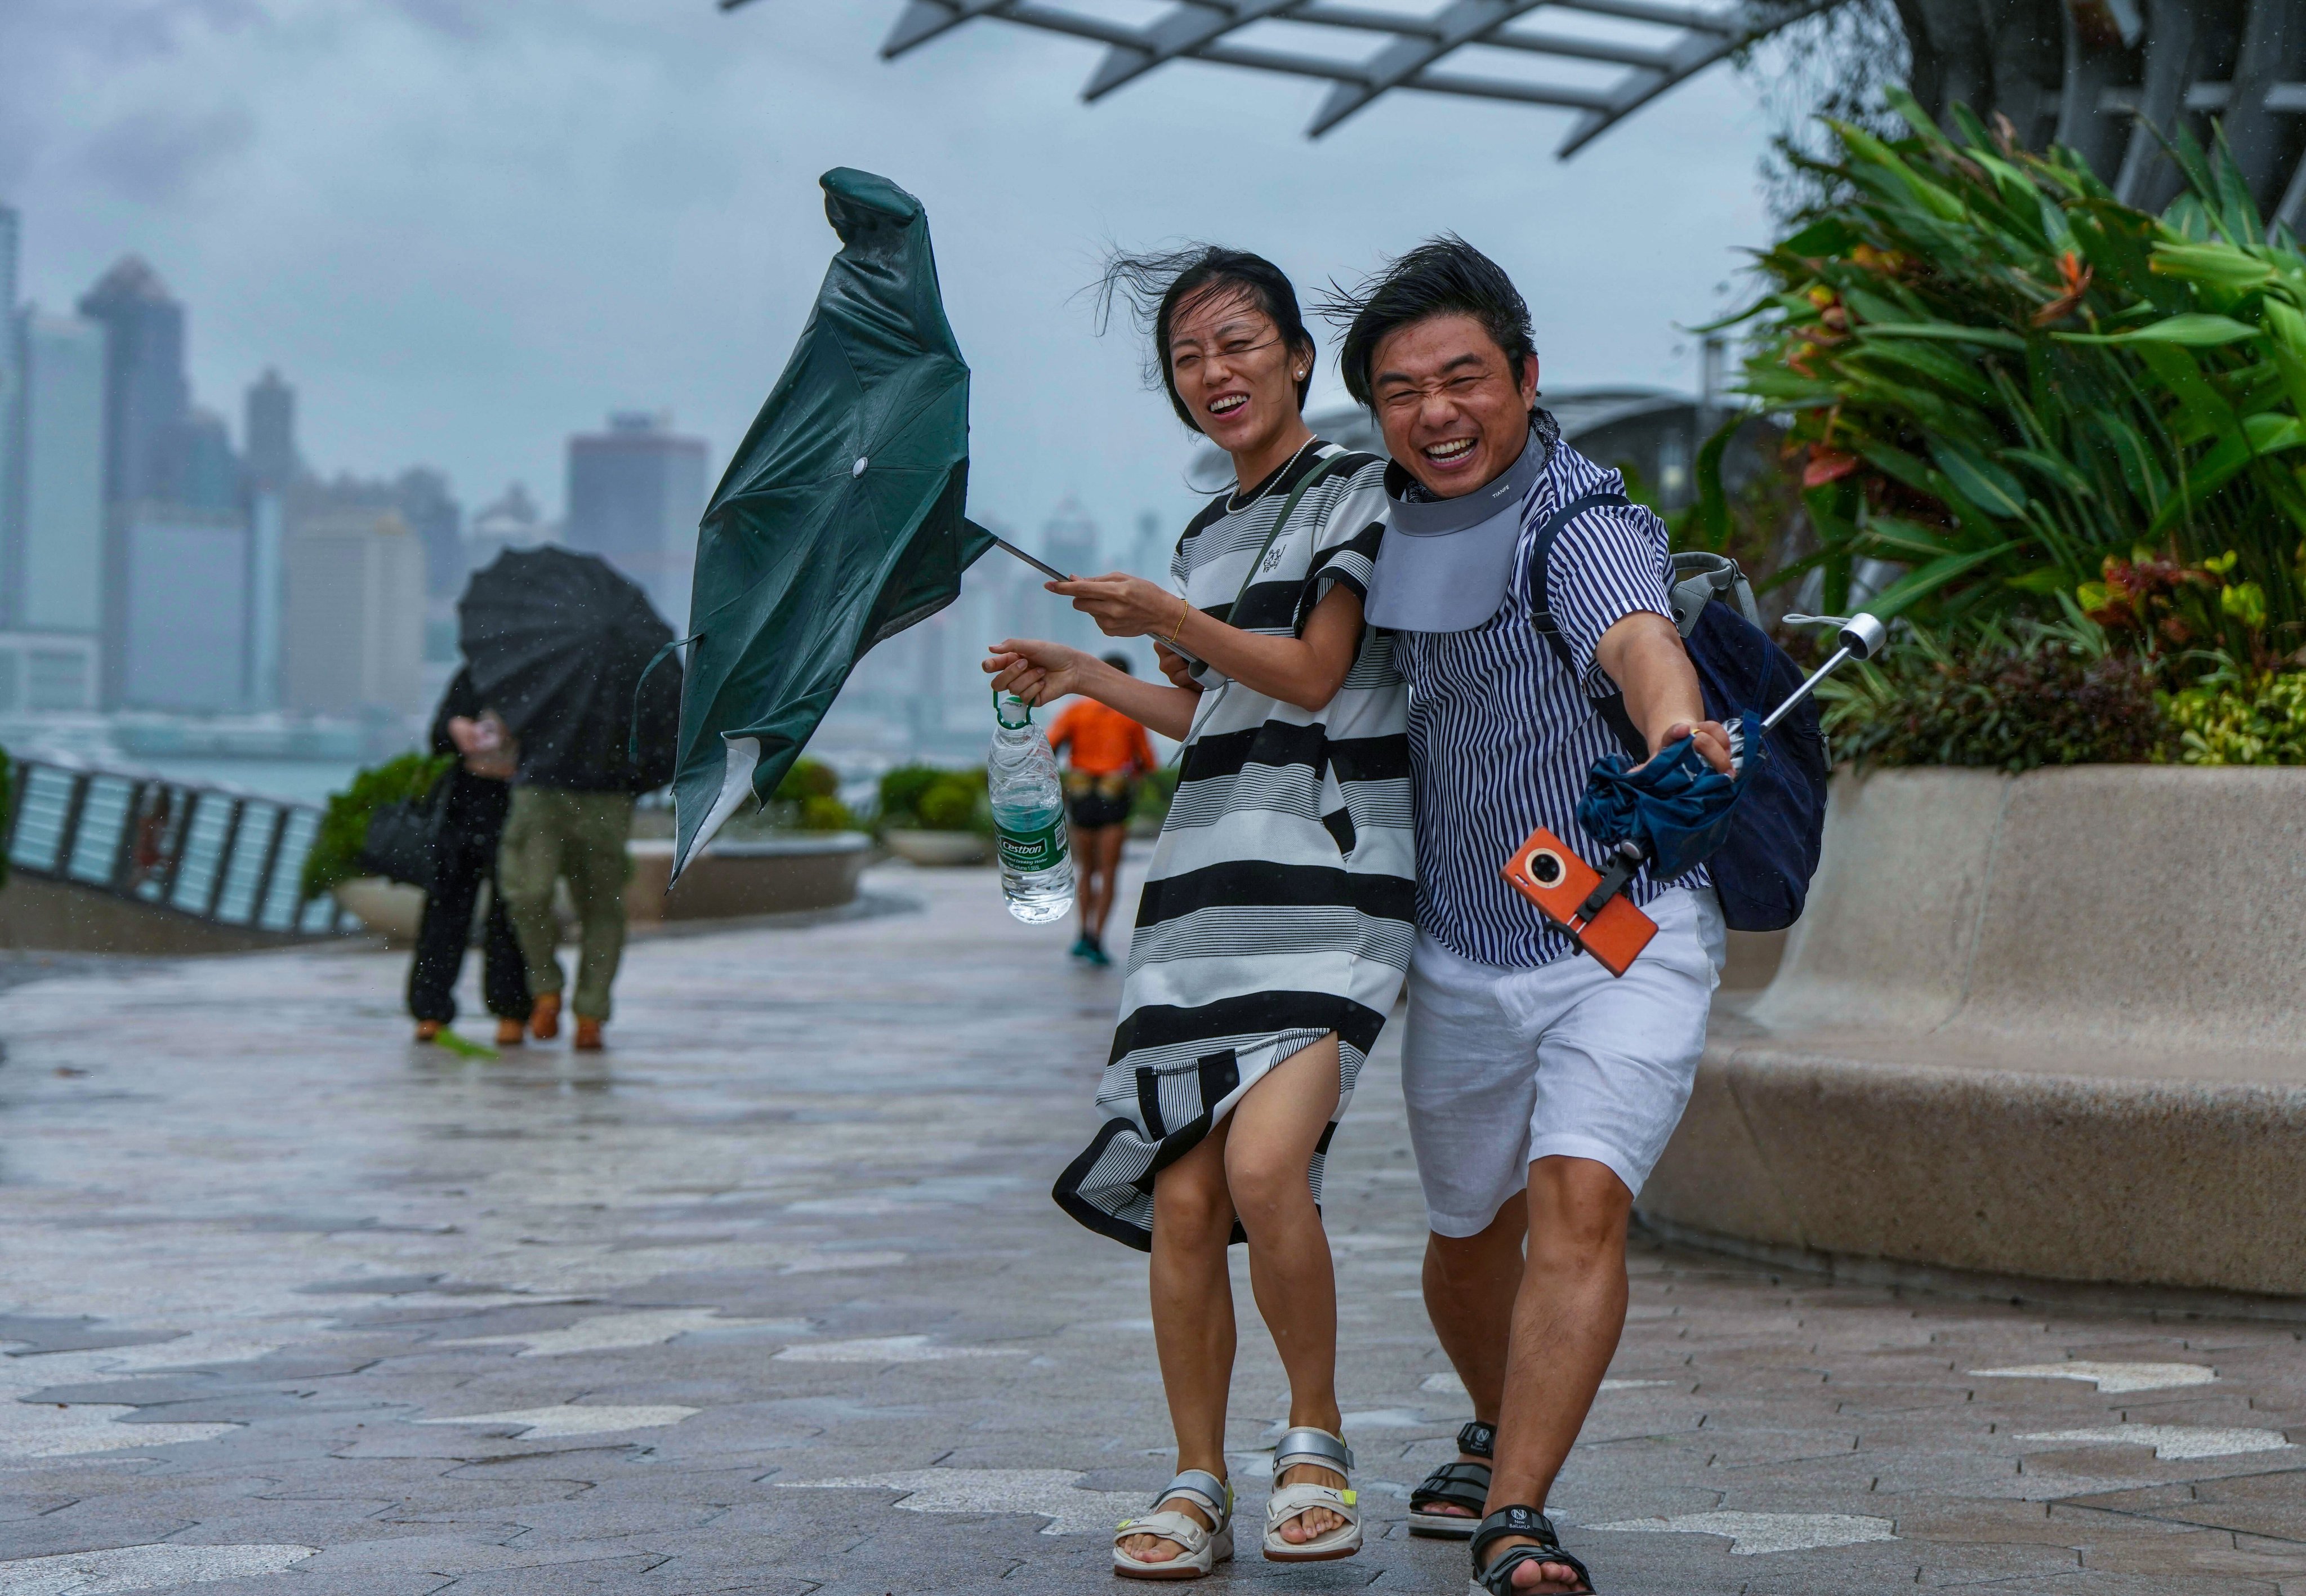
(1043, 849)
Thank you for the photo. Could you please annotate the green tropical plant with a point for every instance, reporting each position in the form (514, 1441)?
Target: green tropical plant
(925, 797)
(2002, 378)
(2226, 719)
(2010, 696)
(342, 833)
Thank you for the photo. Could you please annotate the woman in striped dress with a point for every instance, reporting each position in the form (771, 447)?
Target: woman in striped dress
(1276, 917)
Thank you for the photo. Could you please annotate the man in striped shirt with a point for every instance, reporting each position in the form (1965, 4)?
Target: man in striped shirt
(1540, 1089)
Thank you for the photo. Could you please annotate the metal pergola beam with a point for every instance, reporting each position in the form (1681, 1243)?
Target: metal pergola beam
(1415, 54)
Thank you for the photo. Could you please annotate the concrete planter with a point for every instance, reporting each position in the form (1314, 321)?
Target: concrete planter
(730, 880)
(390, 909)
(939, 848)
(2044, 1025)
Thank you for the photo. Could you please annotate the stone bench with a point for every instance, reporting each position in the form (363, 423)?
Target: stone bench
(2052, 1025)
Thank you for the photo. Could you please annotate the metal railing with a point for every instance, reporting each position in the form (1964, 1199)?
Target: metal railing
(225, 857)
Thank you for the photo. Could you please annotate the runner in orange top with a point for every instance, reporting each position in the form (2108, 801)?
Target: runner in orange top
(1105, 754)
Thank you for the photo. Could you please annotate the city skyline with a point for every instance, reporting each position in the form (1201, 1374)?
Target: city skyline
(630, 217)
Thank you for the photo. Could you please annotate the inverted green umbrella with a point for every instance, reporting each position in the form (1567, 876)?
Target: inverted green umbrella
(840, 521)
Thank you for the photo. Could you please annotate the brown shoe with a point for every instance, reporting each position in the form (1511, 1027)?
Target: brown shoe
(545, 1018)
(427, 1030)
(511, 1033)
(588, 1034)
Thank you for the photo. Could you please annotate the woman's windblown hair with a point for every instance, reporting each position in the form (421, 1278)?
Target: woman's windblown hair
(1159, 285)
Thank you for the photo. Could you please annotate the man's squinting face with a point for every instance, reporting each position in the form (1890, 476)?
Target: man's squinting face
(1455, 412)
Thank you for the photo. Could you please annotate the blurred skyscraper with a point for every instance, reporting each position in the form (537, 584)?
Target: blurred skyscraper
(182, 608)
(1069, 542)
(352, 625)
(270, 432)
(51, 498)
(512, 522)
(147, 400)
(635, 493)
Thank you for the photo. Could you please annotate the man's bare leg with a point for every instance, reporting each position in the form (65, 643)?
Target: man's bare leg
(1101, 852)
(1566, 1321)
(1470, 1283)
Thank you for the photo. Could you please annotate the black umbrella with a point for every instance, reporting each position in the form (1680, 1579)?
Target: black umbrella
(557, 641)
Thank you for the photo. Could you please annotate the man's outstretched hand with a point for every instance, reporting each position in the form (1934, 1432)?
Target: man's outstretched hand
(1712, 739)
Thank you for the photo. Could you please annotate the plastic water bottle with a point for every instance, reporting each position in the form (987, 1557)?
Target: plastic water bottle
(1028, 816)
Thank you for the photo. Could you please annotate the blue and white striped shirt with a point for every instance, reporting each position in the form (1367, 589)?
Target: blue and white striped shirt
(1501, 735)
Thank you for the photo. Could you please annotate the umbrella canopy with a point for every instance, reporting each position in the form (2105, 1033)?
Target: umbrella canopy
(838, 522)
(556, 642)
(1676, 808)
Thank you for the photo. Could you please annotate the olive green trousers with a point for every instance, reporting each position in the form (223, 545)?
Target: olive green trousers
(553, 832)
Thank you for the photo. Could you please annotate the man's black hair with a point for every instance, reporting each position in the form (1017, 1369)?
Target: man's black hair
(1120, 662)
(1158, 285)
(1442, 277)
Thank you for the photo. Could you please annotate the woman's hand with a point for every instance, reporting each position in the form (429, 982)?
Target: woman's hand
(1176, 667)
(1036, 671)
(1122, 605)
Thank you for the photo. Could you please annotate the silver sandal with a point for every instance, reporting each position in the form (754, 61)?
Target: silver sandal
(1203, 1547)
(1307, 1445)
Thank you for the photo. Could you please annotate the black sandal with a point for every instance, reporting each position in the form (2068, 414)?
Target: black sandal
(1456, 1484)
(1497, 1579)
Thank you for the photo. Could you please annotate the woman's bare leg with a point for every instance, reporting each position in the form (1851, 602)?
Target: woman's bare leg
(1274, 1133)
(1193, 1316)
(1103, 852)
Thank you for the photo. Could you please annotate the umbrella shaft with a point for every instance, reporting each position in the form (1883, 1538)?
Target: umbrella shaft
(1802, 692)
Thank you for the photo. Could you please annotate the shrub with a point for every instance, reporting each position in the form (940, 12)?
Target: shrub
(344, 826)
(2014, 698)
(807, 779)
(902, 789)
(1155, 794)
(2002, 377)
(923, 798)
(820, 812)
(2225, 720)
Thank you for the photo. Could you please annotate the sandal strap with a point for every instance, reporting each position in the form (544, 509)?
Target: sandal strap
(1182, 1528)
(1199, 1485)
(1291, 1500)
(1508, 1523)
(1306, 1443)
(1464, 1484)
(1477, 1439)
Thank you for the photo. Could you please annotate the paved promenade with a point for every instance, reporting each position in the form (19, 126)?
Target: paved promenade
(769, 1299)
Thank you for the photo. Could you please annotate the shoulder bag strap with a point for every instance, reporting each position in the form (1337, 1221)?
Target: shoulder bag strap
(1611, 709)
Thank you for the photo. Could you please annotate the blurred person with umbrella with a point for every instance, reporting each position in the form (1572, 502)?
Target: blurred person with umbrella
(561, 643)
(467, 824)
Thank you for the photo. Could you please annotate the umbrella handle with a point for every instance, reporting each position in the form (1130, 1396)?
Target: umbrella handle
(633, 728)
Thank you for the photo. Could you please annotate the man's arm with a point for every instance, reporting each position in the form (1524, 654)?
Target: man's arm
(1643, 653)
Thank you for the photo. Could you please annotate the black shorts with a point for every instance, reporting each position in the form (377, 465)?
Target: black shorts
(1092, 808)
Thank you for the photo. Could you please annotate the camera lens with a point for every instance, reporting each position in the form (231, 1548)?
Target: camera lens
(1545, 868)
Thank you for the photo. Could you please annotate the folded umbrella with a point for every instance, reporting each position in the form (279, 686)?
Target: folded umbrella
(839, 523)
(1675, 809)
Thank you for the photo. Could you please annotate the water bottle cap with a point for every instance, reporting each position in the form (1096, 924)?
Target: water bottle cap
(1000, 700)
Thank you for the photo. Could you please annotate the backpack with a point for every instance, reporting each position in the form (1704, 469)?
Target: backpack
(1763, 870)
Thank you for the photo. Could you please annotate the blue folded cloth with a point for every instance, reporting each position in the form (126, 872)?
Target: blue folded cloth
(1677, 808)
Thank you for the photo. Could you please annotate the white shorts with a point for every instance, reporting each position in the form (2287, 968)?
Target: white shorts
(1503, 1067)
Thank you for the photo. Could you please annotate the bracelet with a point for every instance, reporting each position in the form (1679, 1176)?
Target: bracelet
(1184, 607)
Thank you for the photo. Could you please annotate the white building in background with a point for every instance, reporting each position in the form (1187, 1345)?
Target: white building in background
(512, 522)
(47, 673)
(180, 601)
(55, 476)
(352, 635)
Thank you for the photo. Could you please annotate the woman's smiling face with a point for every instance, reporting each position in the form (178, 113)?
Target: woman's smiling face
(1232, 369)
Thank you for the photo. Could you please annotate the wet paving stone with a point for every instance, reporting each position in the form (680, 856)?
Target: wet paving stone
(769, 1298)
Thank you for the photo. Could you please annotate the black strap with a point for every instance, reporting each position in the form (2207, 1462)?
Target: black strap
(1611, 709)
(1459, 1484)
(1508, 1523)
(1477, 1439)
(1327, 466)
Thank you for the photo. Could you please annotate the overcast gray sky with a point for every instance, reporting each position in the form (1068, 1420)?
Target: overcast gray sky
(466, 228)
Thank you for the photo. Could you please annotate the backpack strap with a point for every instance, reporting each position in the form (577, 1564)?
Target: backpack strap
(1329, 465)
(1611, 709)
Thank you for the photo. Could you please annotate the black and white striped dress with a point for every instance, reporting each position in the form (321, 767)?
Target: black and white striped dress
(1279, 904)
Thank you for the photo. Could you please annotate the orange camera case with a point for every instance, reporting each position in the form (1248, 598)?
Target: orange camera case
(1616, 936)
